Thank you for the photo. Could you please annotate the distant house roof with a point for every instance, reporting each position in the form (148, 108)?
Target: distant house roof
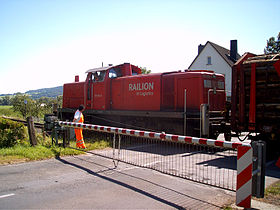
(224, 53)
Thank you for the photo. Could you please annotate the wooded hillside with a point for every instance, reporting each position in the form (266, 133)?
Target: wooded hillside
(43, 92)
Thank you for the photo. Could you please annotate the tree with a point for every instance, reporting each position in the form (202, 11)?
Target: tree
(22, 104)
(273, 45)
(5, 100)
(59, 100)
(29, 107)
(145, 71)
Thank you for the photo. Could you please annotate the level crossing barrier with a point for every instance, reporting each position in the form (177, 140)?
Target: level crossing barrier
(207, 161)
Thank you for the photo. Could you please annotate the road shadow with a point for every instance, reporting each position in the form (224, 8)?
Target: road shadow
(272, 170)
(89, 171)
(226, 162)
(130, 187)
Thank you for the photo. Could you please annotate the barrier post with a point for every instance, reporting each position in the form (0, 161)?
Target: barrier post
(244, 176)
(259, 163)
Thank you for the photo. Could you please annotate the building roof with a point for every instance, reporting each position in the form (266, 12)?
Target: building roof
(224, 53)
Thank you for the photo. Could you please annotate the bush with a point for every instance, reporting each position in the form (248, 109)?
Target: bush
(11, 133)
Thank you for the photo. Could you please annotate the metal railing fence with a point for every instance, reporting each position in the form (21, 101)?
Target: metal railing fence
(206, 161)
(200, 163)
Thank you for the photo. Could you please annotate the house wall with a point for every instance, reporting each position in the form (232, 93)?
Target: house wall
(218, 64)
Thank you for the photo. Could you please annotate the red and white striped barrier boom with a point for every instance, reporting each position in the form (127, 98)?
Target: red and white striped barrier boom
(244, 153)
(160, 136)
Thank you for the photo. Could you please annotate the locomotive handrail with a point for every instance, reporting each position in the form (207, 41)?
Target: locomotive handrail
(160, 136)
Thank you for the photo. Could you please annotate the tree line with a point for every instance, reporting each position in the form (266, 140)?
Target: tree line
(26, 106)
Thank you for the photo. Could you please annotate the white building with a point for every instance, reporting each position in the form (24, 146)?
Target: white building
(216, 58)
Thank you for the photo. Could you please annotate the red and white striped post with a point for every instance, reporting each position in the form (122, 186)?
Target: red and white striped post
(244, 153)
(244, 176)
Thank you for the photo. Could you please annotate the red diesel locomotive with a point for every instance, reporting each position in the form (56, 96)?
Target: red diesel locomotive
(165, 102)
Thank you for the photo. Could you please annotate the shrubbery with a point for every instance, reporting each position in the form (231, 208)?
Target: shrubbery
(11, 133)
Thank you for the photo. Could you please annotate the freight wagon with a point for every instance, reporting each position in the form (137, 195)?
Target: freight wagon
(174, 102)
(256, 98)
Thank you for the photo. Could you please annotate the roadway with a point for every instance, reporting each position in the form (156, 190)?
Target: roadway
(90, 181)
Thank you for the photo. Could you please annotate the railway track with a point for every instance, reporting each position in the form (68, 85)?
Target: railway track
(36, 124)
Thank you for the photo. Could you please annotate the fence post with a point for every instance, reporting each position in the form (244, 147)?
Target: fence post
(66, 134)
(31, 131)
(244, 176)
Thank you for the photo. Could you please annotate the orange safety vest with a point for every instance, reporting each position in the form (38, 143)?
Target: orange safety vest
(79, 134)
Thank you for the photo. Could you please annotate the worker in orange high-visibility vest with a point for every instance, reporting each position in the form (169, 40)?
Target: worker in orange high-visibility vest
(79, 118)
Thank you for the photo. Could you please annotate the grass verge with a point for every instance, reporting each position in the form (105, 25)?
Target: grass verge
(22, 153)
(272, 194)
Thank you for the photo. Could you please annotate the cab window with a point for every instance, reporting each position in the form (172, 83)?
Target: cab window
(98, 76)
(115, 72)
(112, 73)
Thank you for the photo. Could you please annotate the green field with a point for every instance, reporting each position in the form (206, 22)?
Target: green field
(9, 112)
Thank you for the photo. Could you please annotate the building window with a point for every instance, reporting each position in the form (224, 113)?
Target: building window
(209, 61)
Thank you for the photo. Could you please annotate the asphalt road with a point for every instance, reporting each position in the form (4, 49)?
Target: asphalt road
(90, 181)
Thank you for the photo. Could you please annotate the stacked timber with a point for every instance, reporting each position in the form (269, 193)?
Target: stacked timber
(257, 94)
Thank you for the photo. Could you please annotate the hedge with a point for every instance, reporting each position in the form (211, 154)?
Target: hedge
(11, 132)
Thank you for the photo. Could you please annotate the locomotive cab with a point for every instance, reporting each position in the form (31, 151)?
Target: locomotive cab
(98, 84)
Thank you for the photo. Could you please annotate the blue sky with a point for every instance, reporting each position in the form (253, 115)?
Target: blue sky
(45, 43)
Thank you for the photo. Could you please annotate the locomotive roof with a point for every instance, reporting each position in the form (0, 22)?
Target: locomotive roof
(99, 69)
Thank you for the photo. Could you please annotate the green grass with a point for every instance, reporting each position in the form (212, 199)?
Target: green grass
(25, 152)
(22, 151)
(9, 112)
(273, 190)
(227, 208)
(272, 194)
